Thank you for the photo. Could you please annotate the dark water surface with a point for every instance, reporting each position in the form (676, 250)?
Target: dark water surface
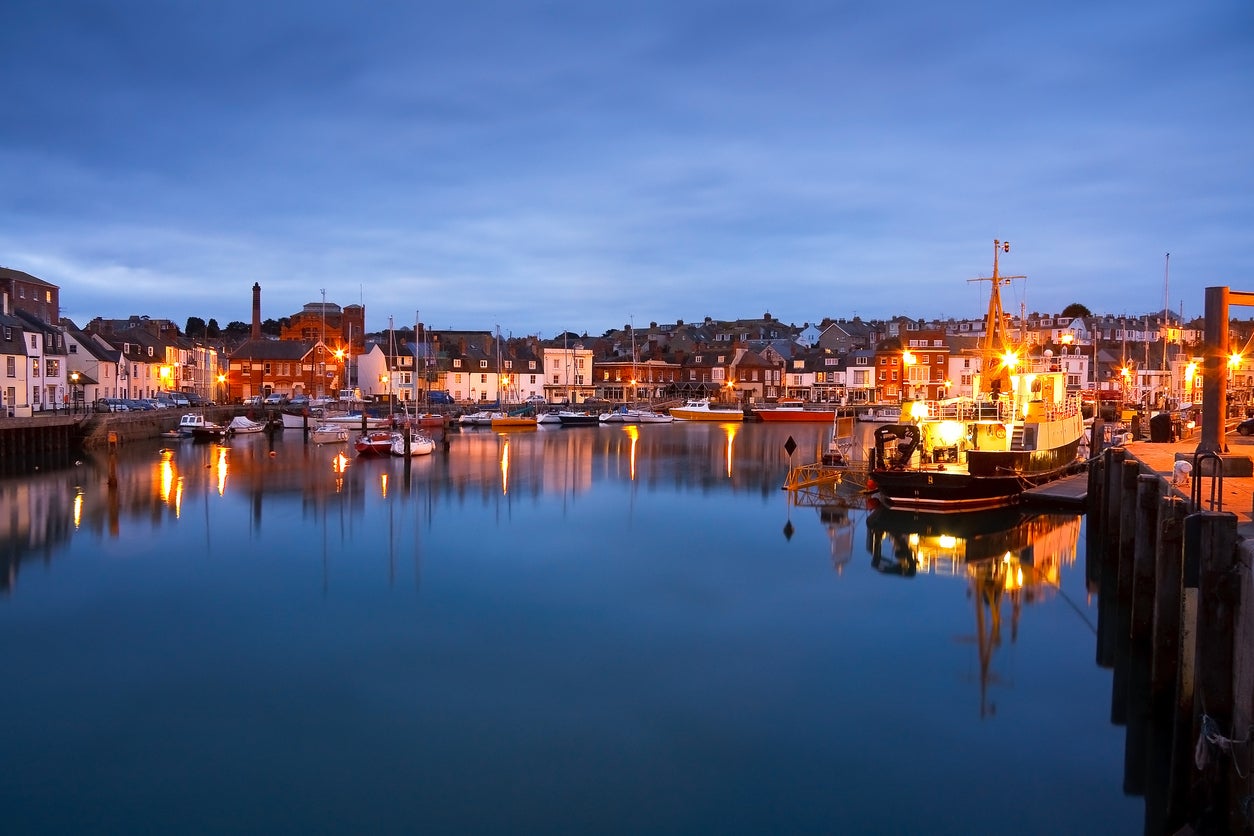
(600, 630)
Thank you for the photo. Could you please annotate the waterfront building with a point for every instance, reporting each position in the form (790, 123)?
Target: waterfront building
(15, 386)
(568, 370)
(45, 347)
(98, 364)
(31, 295)
(281, 367)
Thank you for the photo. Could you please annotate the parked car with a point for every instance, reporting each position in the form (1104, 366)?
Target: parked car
(177, 398)
(1246, 427)
(273, 400)
(196, 400)
(299, 401)
(536, 399)
(253, 400)
(111, 405)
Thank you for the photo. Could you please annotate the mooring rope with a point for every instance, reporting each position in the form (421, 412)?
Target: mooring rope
(1210, 740)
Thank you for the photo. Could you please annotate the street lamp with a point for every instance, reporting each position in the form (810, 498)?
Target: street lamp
(75, 393)
(221, 388)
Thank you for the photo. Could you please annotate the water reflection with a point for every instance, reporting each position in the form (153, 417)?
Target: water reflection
(1009, 556)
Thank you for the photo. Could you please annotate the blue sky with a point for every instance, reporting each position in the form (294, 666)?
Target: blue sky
(542, 166)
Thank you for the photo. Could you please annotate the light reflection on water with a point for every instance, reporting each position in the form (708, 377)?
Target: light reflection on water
(614, 629)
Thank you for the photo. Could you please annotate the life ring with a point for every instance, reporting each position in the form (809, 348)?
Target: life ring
(1000, 431)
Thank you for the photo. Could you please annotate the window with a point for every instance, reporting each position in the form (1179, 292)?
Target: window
(531, 364)
(266, 369)
(483, 378)
(10, 365)
(149, 351)
(73, 348)
(33, 344)
(483, 364)
(533, 377)
(509, 364)
(860, 361)
(457, 363)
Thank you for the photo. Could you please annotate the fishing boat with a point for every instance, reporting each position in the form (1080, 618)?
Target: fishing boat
(242, 426)
(794, 409)
(701, 409)
(1020, 428)
(328, 434)
(189, 422)
(420, 444)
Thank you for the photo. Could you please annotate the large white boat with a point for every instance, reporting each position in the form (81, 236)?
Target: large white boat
(701, 409)
(328, 434)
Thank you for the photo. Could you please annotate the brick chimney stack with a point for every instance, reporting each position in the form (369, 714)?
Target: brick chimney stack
(256, 335)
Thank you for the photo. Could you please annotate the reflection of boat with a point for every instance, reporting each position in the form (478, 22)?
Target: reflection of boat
(701, 409)
(420, 444)
(1021, 428)
(328, 434)
(1005, 553)
(794, 409)
(241, 426)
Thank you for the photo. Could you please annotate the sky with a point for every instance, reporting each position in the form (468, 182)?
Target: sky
(542, 166)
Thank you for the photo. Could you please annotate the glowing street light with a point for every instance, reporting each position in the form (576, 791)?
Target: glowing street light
(907, 360)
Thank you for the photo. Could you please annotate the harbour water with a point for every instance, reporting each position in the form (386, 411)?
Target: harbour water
(598, 630)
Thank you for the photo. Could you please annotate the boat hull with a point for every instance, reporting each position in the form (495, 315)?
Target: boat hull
(789, 414)
(991, 479)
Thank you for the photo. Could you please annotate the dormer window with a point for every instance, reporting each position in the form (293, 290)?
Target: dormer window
(483, 364)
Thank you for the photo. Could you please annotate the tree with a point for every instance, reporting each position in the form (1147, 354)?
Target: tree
(195, 327)
(1075, 309)
(212, 329)
(238, 329)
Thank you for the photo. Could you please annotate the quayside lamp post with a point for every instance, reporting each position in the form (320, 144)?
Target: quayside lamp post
(75, 392)
(221, 388)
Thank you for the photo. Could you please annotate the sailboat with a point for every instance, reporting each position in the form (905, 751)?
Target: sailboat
(520, 418)
(1021, 427)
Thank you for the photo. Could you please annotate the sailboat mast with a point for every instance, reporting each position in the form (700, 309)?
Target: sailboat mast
(1166, 305)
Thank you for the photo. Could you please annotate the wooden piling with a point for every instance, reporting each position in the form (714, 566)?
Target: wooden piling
(1140, 656)
(1125, 525)
(1218, 593)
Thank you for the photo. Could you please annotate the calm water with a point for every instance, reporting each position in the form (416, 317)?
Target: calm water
(601, 630)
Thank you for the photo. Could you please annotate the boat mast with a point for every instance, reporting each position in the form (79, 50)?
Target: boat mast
(996, 342)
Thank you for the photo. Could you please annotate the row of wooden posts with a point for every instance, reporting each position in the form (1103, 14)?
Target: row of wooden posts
(1171, 577)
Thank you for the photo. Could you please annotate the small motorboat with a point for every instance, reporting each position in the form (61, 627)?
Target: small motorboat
(241, 425)
(374, 443)
(328, 434)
